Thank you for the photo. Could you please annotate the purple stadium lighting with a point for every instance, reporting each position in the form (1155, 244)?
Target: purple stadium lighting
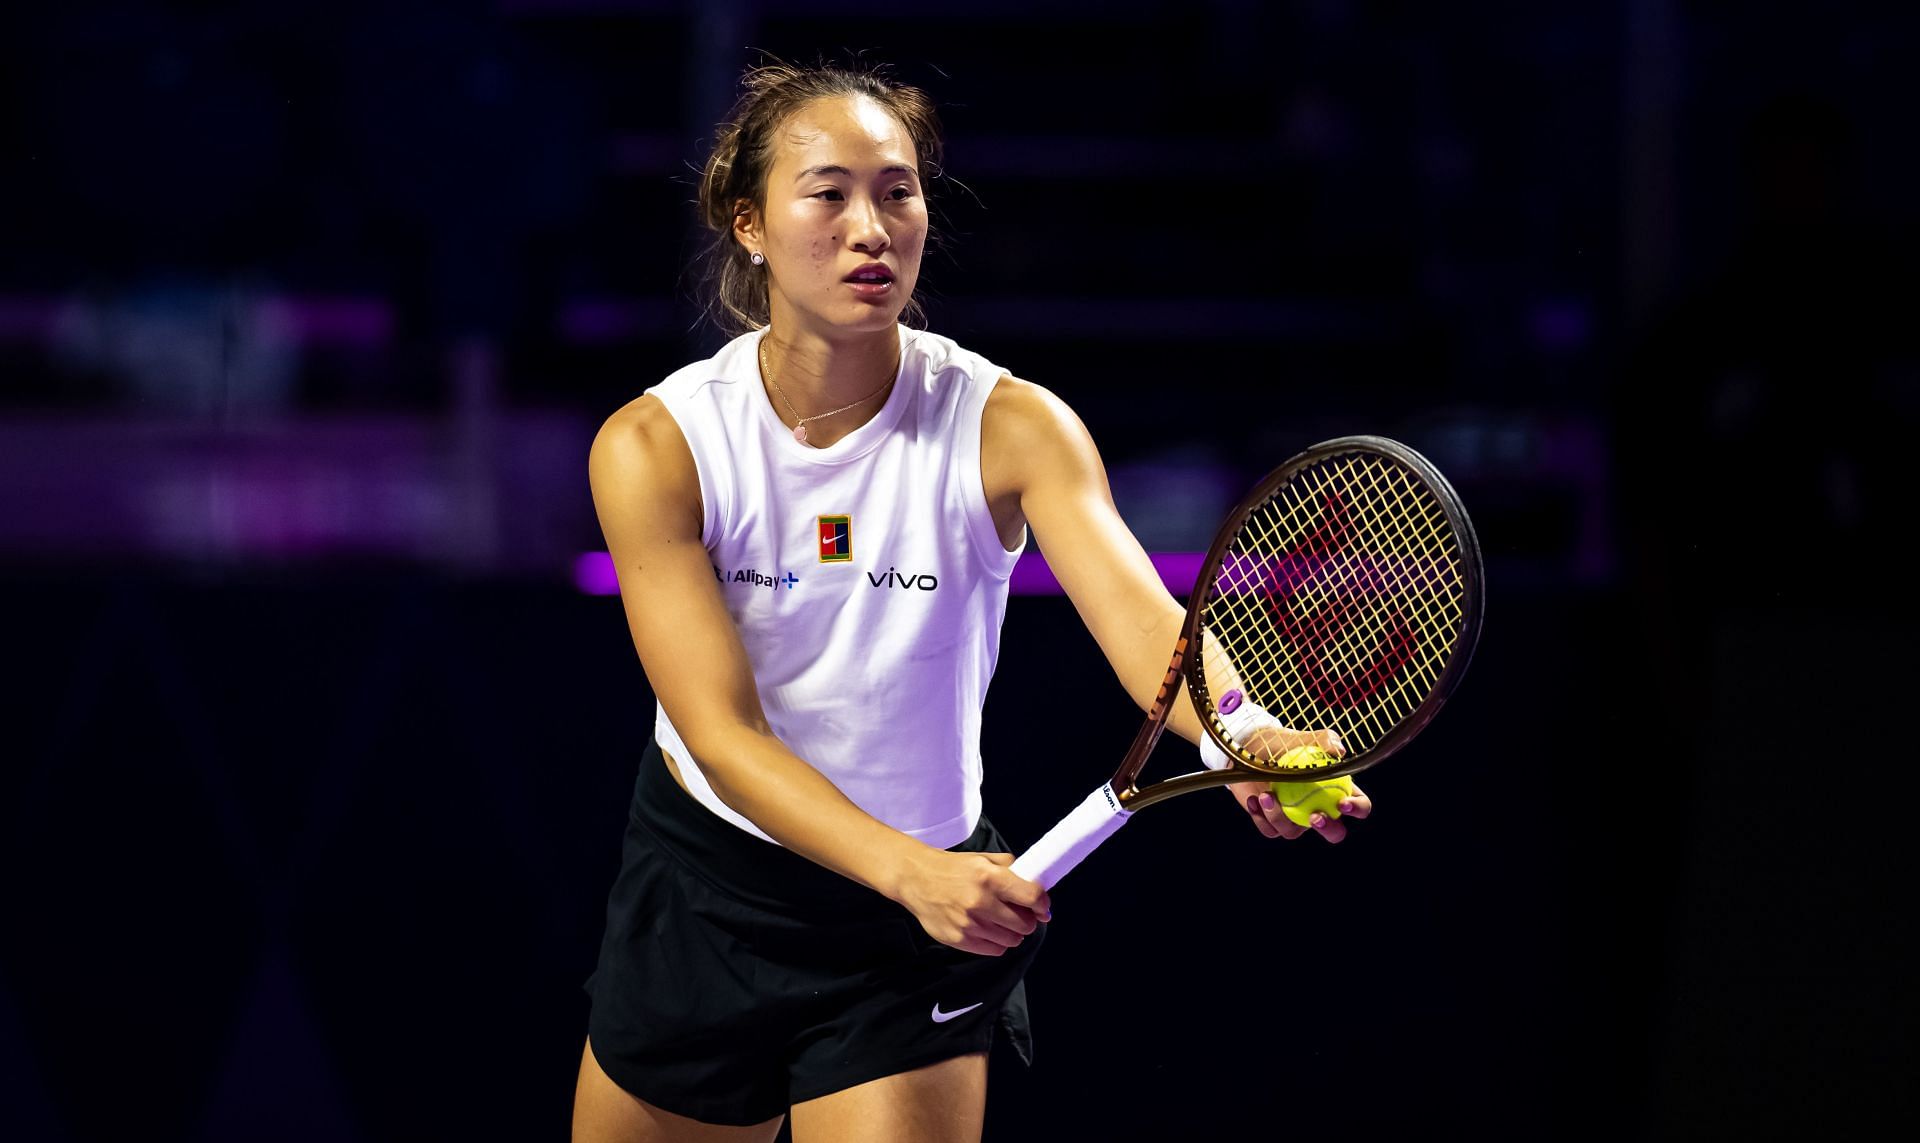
(593, 574)
(1178, 570)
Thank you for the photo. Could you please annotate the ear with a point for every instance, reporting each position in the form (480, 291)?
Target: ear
(746, 226)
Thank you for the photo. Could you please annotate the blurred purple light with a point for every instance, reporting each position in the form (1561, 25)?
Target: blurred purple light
(593, 574)
(1178, 570)
(25, 318)
(366, 322)
(597, 321)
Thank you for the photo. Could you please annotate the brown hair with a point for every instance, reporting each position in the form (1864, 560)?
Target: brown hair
(743, 147)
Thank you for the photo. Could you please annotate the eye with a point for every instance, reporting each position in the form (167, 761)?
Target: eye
(900, 193)
(831, 194)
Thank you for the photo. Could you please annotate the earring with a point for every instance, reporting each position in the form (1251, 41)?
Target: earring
(757, 258)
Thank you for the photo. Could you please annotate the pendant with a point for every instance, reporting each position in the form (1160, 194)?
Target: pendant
(800, 433)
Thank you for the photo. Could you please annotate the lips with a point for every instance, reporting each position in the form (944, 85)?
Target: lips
(871, 274)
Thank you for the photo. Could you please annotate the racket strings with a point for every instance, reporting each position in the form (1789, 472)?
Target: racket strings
(1377, 645)
(1341, 598)
(1402, 523)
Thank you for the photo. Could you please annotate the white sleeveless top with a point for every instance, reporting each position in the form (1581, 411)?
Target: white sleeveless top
(866, 578)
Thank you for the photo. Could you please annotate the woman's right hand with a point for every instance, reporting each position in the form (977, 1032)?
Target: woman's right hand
(973, 901)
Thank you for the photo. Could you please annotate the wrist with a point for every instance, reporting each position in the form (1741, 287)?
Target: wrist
(902, 870)
(1239, 717)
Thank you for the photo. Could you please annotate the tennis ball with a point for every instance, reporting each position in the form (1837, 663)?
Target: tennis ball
(1301, 800)
(1307, 757)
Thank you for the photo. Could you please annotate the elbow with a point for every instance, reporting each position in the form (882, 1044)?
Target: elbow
(724, 754)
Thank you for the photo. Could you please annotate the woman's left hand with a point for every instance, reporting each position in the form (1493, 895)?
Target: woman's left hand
(1258, 802)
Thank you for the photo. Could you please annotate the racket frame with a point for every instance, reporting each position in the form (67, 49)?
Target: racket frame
(1189, 668)
(1102, 813)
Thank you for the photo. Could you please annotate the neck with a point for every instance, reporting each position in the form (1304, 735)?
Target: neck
(818, 374)
(829, 373)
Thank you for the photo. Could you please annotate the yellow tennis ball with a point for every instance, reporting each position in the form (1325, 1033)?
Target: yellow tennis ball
(1301, 800)
(1307, 757)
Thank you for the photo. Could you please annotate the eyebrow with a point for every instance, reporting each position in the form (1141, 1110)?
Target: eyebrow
(831, 169)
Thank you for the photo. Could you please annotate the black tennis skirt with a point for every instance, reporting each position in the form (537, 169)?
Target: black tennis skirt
(737, 978)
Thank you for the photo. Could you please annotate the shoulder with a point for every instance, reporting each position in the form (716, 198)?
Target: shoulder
(735, 361)
(659, 425)
(942, 361)
(639, 427)
(1028, 415)
(1031, 439)
(641, 468)
(1007, 403)
(640, 439)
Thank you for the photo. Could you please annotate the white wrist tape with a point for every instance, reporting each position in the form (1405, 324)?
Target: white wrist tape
(1239, 717)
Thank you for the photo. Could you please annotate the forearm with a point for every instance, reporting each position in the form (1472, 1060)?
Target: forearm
(1140, 659)
(1141, 663)
(757, 776)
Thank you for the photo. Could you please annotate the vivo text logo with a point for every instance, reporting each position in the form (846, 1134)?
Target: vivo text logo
(894, 579)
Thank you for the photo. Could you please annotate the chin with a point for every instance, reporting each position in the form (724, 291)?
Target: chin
(873, 320)
(852, 318)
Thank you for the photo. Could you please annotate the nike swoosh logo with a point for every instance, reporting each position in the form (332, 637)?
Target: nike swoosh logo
(940, 1017)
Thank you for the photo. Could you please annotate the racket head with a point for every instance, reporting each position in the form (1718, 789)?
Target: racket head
(1344, 593)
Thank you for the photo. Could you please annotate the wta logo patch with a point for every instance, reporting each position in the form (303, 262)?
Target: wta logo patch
(836, 539)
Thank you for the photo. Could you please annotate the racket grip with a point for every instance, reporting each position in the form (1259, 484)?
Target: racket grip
(1078, 834)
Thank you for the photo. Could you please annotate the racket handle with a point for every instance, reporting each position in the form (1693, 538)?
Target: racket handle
(1078, 834)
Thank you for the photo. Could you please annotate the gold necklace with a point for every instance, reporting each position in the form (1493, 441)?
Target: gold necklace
(800, 422)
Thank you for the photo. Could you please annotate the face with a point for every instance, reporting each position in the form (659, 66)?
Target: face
(844, 222)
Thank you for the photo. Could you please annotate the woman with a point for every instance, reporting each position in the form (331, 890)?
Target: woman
(813, 531)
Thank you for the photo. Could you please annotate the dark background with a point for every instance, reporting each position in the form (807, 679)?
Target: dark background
(317, 756)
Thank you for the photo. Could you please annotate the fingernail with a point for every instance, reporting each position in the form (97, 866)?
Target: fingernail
(1318, 820)
(1267, 802)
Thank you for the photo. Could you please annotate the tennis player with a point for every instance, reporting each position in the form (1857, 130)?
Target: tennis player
(813, 531)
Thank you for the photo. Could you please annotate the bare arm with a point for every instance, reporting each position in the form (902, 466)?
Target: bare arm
(1037, 455)
(646, 494)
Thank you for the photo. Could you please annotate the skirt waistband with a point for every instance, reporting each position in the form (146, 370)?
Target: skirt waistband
(759, 873)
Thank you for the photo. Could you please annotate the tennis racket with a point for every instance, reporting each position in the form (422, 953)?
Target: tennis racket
(1343, 594)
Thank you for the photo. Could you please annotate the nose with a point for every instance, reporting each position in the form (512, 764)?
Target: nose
(866, 227)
